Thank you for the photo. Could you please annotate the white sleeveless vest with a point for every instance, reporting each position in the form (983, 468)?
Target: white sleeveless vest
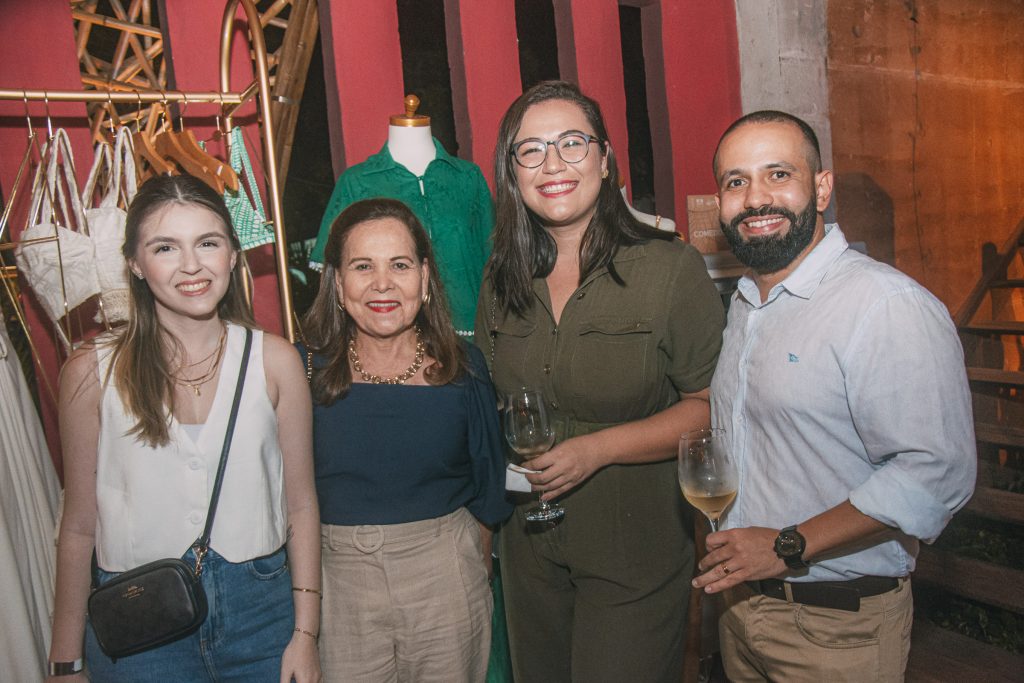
(152, 502)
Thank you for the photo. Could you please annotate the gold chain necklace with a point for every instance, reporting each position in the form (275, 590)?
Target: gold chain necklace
(197, 382)
(417, 362)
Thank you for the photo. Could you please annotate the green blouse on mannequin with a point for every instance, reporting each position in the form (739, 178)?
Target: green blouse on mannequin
(452, 201)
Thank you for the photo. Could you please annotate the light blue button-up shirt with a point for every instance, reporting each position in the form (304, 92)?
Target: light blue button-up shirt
(847, 382)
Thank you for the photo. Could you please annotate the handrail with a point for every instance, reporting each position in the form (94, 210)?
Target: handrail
(990, 273)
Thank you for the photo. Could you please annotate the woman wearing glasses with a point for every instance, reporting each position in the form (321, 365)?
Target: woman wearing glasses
(620, 326)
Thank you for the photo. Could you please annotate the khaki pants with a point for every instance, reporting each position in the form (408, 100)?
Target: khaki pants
(765, 639)
(405, 602)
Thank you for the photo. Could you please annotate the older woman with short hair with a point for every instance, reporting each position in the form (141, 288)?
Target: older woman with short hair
(408, 457)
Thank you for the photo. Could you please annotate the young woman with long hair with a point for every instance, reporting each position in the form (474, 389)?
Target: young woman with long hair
(143, 415)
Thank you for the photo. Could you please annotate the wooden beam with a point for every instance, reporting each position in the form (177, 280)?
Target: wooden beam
(985, 582)
(995, 327)
(993, 503)
(117, 24)
(1002, 435)
(995, 376)
(938, 655)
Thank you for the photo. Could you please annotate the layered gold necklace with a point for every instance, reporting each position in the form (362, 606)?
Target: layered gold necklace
(417, 362)
(196, 383)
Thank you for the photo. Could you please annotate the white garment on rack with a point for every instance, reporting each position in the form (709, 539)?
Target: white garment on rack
(29, 492)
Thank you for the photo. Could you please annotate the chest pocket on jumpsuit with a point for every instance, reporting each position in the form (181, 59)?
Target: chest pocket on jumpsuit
(611, 364)
(512, 353)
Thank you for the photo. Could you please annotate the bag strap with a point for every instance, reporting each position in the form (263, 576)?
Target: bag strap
(102, 157)
(66, 164)
(124, 168)
(202, 545)
(38, 189)
(494, 325)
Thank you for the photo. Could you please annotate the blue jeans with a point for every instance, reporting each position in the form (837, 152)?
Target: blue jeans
(250, 622)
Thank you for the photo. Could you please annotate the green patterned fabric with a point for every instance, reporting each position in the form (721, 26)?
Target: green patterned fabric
(452, 201)
(247, 215)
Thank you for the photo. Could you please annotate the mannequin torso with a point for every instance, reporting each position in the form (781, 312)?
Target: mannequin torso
(412, 147)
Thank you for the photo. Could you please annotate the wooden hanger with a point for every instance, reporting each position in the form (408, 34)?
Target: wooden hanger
(219, 168)
(168, 143)
(143, 145)
(212, 164)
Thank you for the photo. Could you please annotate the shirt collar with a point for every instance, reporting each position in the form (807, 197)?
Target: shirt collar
(803, 281)
(383, 161)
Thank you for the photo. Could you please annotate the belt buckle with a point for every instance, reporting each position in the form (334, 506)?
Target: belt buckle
(373, 546)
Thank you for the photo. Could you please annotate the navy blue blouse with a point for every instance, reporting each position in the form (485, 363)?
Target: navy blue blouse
(388, 454)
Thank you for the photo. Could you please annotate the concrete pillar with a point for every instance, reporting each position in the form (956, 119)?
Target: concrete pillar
(783, 48)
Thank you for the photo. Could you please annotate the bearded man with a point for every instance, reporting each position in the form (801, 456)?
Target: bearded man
(842, 389)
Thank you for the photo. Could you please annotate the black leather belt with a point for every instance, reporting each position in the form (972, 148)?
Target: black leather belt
(844, 595)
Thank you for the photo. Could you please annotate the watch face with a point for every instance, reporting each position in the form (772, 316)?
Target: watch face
(788, 544)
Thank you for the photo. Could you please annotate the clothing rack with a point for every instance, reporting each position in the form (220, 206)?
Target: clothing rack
(260, 86)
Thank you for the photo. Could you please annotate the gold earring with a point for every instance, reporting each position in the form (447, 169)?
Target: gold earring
(426, 297)
(341, 307)
(604, 174)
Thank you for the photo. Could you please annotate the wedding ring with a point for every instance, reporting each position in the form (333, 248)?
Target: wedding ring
(725, 568)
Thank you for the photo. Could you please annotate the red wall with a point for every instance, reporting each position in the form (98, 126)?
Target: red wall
(484, 79)
(25, 27)
(363, 68)
(700, 53)
(193, 30)
(690, 51)
(691, 56)
(194, 36)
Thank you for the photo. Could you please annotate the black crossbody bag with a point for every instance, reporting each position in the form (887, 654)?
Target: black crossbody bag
(160, 601)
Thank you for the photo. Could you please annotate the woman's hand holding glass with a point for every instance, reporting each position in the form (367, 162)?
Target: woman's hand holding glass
(563, 468)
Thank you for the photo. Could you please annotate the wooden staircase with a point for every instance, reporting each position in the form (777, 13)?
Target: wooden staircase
(991, 324)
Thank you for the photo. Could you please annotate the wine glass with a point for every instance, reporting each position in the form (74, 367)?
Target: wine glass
(707, 473)
(529, 433)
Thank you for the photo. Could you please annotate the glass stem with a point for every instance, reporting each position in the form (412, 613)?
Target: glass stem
(714, 524)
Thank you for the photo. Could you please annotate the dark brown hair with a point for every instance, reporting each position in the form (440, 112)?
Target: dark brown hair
(142, 352)
(328, 329)
(812, 150)
(523, 250)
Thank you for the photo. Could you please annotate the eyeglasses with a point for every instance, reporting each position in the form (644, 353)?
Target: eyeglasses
(572, 148)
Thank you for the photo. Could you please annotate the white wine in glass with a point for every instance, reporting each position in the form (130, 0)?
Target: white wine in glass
(529, 432)
(707, 474)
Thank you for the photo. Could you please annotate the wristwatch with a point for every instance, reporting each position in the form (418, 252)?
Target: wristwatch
(65, 668)
(789, 546)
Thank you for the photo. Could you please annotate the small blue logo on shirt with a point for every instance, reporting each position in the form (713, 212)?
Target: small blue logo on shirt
(793, 358)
